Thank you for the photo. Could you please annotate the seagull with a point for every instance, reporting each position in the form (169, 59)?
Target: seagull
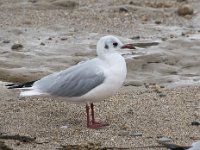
(87, 82)
(195, 146)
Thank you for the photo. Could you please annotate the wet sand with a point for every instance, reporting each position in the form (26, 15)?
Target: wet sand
(58, 34)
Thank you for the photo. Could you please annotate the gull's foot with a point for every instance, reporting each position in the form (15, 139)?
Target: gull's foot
(103, 124)
(97, 125)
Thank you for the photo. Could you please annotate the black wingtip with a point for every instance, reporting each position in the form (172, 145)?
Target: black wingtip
(11, 84)
(15, 86)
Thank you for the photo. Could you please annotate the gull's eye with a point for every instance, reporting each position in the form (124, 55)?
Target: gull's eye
(115, 44)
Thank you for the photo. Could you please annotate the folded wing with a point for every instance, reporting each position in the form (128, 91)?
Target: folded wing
(73, 82)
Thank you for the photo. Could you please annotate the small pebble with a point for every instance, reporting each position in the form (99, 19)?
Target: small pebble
(123, 133)
(164, 39)
(124, 127)
(27, 22)
(135, 134)
(135, 37)
(159, 136)
(162, 95)
(63, 38)
(149, 137)
(133, 83)
(185, 9)
(157, 22)
(146, 85)
(123, 9)
(157, 89)
(162, 86)
(42, 43)
(130, 111)
(182, 34)
(181, 0)
(42, 140)
(64, 127)
(143, 18)
(66, 4)
(171, 36)
(195, 138)
(196, 79)
(17, 46)
(164, 139)
(33, 1)
(17, 110)
(131, 3)
(195, 123)
(6, 41)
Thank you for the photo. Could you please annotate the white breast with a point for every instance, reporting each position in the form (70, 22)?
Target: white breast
(115, 72)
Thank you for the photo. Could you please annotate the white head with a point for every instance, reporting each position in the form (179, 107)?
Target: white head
(109, 44)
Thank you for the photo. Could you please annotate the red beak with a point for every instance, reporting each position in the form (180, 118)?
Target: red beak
(128, 46)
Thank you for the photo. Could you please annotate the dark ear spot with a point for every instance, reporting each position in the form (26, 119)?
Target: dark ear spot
(106, 46)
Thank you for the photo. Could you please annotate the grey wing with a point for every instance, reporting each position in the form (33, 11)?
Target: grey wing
(73, 82)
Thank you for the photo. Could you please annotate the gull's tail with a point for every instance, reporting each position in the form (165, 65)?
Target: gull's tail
(30, 93)
(25, 86)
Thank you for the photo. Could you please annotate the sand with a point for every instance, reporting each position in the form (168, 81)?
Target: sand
(133, 110)
(58, 34)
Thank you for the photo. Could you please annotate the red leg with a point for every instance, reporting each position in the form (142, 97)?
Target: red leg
(93, 124)
(88, 115)
(92, 112)
(100, 124)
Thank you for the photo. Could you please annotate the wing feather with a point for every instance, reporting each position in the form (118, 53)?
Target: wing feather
(73, 82)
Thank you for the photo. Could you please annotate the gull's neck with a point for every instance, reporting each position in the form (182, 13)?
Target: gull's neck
(107, 55)
(111, 58)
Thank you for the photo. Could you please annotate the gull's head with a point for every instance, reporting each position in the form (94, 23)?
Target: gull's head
(109, 44)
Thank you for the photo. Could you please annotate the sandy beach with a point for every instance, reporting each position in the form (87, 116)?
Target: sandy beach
(160, 98)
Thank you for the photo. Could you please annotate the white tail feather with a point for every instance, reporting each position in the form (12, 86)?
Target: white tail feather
(30, 93)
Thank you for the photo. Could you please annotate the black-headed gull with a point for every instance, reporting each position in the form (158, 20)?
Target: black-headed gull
(91, 81)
